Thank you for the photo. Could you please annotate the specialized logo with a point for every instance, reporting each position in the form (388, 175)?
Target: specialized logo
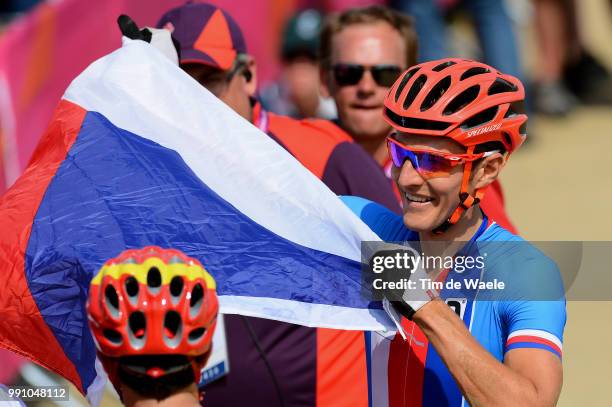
(484, 129)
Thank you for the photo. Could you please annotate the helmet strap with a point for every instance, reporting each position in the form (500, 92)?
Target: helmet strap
(466, 200)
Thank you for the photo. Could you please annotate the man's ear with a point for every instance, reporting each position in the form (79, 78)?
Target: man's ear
(487, 170)
(324, 84)
(251, 77)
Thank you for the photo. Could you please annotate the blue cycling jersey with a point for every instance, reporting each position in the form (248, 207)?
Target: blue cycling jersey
(530, 313)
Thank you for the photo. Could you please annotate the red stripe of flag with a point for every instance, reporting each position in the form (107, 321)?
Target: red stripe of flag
(22, 328)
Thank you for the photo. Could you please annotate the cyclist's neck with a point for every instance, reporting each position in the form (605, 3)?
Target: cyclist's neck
(188, 397)
(462, 231)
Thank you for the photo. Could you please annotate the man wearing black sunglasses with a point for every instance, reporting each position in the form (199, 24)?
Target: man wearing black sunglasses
(363, 51)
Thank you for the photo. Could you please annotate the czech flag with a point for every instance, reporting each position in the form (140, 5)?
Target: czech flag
(140, 154)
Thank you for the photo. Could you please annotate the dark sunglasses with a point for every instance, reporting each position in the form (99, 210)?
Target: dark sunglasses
(216, 80)
(351, 74)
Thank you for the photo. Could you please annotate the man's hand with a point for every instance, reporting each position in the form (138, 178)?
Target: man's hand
(160, 38)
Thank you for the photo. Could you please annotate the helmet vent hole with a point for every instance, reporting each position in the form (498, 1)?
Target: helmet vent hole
(173, 329)
(404, 81)
(436, 93)
(501, 86)
(154, 279)
(508, 139)
(473, 72)
(414, 90)
(137, 330)
(481, 118)
(413, 123)
(131, 287)
(113, 336)
(111, 300)
(462, 100)
(195, 302)
(196, 334)
(443, 66)
(510, 113)
(176, 286)
(137, 324)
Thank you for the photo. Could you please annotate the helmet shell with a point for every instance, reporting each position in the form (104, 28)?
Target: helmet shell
(467, 101)
(152, 301)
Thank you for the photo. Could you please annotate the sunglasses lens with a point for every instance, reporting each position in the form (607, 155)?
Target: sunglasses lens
(432, 165)
(386, 75)
(428, 165)
(347, 74)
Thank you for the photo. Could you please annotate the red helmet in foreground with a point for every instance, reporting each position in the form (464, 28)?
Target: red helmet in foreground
(152, 301)
(466, 101)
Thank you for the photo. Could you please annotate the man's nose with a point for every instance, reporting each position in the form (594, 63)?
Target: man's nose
(366, 85)
(409, 176)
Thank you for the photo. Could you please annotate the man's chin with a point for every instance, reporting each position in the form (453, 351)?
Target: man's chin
(366, 129)
(419, 224)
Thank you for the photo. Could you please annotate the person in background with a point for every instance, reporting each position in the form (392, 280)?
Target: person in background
(296, 93)
(567, 73)
(273, 363)
(362, 53)
(152, 313)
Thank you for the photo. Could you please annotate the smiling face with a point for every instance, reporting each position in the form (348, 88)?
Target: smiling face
(428, 202)
(360, 106)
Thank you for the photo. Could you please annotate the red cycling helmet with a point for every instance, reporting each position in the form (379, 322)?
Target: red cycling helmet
(467, 101)
(152, 301)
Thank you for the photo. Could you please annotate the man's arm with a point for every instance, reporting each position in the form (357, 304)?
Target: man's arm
(528, 376)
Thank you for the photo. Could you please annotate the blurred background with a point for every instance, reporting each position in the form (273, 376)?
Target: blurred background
(556, 188)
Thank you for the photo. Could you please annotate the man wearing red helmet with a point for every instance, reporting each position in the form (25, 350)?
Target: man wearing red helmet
(455, 124)
(152, 313)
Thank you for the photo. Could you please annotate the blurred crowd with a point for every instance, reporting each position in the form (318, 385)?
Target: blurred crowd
(566, 74)
(338, 68)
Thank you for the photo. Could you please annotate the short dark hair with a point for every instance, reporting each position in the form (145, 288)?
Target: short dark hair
(335, 23)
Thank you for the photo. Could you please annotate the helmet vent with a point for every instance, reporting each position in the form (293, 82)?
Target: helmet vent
(473, 72)
(523, 129)
(404, 81)
(501, 86)
(412, 123)
(137, 329)
(510, 112)
(462, 100)
(443, 66)
(196, 334)
(113, 336)
(436, 93)
(111, 300)
(154, 280)
(195, 302)
(481, 118)
(508, 139)
(131, 288)
(173, 329)
(414, 90)
(176, 288)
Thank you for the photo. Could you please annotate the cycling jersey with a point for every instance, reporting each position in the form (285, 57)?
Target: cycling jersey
(411, 372)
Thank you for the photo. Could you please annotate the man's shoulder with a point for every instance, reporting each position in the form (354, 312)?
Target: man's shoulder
(313, 142)
(318, 130)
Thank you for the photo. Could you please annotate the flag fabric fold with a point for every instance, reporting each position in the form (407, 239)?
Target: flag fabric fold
(139, 154)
